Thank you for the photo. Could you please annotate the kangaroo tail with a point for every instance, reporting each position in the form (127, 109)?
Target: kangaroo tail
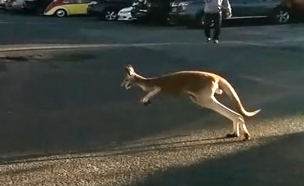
(229, 90)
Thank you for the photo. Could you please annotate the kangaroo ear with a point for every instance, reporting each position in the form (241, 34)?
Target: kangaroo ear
(129, 70)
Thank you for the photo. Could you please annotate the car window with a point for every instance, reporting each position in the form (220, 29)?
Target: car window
(83, 1)
(78, 1)
(161, 1)
(70, 1)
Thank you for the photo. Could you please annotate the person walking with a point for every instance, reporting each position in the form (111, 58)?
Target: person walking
(213, 13)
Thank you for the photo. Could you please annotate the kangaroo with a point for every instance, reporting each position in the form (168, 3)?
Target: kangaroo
(200, 87)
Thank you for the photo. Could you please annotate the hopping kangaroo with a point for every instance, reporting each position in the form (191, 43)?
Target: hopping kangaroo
(199, 86)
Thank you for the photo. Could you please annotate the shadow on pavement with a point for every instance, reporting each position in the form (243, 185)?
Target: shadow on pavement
(155, 145)
(278, 163)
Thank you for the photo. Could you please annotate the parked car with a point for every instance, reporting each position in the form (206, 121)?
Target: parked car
(125, 14)
(297, 8)
(36, 6)
(147, 10)
(14, 5)
(107, 9)
(63, 8)
(191, 12)
(2, 3)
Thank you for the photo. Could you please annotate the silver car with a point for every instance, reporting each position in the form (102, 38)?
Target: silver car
(14, 4)
(2, 3)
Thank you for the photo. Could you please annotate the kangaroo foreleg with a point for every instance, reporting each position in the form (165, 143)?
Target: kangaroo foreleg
(146, 99)
(219, 91)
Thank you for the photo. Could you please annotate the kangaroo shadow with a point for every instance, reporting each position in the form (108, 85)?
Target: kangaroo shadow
(135, 148)
(276, 163)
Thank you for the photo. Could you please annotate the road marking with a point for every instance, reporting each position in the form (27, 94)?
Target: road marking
(31, 23)
(266, 43)
(2, 21)
(26, 47)
(11, 48)
(120, 45)
(266, 82)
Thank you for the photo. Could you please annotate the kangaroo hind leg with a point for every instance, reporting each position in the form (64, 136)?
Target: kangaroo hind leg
(206, 99)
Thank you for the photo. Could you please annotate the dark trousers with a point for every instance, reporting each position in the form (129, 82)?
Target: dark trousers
(217, 20)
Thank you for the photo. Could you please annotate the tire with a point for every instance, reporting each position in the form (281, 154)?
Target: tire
(110, 15)
(280, 16)
(60, 13)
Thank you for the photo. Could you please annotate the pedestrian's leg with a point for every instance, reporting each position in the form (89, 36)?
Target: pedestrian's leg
(217, 26)
(207, 23)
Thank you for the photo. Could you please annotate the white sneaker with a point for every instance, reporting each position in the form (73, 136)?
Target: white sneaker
(216, 41)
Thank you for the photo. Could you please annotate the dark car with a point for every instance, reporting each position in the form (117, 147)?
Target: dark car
(36, 6)
(191, 12)
(107, 9)
(2, 3)
(148, 10)
(297, 8)
(14, 5)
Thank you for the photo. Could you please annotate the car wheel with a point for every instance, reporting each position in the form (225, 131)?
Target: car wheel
(281, 16)
(60, 13)
(110, 15)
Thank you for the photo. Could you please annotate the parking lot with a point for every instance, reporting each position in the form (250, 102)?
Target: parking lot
(65, 120)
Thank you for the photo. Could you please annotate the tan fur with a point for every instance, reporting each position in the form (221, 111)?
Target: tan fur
(199, 86)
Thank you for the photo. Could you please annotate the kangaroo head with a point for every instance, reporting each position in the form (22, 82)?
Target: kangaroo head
(130, 78)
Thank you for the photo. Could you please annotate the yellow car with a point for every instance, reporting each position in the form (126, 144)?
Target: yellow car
(62, 8)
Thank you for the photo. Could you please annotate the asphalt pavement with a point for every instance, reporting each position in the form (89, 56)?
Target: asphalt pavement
(65, 120)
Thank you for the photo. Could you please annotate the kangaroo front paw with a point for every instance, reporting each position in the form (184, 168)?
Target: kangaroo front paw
(233, 135)
(146, 103)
